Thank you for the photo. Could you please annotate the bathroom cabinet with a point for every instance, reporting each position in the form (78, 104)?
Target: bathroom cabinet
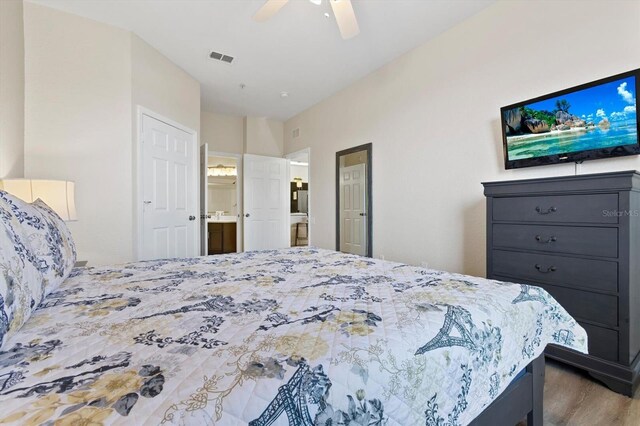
(222, 237)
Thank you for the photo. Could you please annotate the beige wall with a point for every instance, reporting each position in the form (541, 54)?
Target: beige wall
(162, 86)
(223, 133)
(11, 89)
(242, 135)
(263, 136)
(78, 123)
(433, 118)
(83, 82)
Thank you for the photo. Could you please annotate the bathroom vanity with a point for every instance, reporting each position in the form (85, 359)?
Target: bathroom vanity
(222, 235)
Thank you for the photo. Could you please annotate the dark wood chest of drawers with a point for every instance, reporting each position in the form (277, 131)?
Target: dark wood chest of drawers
(578, 237)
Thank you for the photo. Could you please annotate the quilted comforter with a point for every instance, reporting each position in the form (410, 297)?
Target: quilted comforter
(286, 337)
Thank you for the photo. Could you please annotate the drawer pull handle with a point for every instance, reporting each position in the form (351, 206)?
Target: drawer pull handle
(548, 211)
(545, 271)
(551, 239)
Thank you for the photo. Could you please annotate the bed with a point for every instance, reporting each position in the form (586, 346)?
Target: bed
(299, 336)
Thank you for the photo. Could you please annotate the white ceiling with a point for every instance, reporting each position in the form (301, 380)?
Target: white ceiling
(299, 50)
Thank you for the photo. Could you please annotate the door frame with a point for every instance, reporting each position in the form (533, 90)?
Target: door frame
(138, 228)
(239, 199)
(368, 147)
(310, 195)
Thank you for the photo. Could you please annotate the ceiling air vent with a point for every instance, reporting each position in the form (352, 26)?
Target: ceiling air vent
(221, 57)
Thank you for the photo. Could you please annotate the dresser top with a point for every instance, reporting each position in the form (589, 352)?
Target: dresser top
(598, 182)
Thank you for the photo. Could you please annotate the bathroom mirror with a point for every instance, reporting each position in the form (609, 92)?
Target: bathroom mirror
(353, 201)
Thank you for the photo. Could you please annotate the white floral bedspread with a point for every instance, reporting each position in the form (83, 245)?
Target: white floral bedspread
(287, 337)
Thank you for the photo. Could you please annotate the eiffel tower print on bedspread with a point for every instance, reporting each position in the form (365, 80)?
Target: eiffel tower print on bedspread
(289, 399)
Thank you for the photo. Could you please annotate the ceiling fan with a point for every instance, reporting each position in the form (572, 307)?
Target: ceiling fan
(342, 9)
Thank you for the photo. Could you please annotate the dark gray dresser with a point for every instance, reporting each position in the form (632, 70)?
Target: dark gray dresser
(578, 237)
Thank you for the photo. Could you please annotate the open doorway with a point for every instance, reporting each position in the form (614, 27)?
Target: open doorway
(223, 204)
(299, 197)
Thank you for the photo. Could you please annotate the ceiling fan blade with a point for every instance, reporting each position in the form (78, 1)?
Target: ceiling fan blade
(270, 8)
(346, 18)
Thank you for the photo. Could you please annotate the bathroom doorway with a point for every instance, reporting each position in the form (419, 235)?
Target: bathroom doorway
(299, 198)
(224, 204)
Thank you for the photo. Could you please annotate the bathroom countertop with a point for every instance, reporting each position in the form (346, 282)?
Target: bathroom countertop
(222, 219)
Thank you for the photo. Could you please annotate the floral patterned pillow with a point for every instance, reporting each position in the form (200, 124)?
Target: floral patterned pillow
(58, 240)
(47, 240)
(22, 286)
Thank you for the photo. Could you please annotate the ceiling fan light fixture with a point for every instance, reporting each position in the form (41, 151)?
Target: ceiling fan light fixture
(270, 8)
(342, 10)
(346, 18)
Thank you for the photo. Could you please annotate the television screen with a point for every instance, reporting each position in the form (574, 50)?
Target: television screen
(595, 120)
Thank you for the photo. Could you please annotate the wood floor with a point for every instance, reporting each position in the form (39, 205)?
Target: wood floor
(573, 398)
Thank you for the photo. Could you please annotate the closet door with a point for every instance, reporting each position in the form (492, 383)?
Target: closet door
(170, 192)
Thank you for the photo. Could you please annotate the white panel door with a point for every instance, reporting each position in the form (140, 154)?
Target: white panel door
(204, 199)
(353, 232)
(170, 191)
(266, 202)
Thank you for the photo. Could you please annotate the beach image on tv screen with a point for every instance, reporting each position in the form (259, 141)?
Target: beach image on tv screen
(602, 116)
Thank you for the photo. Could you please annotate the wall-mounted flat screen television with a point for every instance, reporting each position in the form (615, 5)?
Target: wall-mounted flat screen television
(587, 122)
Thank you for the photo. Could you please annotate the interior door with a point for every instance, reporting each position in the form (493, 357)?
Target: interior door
(353, 209)
(204, 199)
(170, 191)
(265, 202)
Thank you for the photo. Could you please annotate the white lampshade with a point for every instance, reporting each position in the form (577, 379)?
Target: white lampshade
(57, 194)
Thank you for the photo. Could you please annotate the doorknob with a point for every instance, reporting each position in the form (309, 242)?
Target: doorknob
(363, 214)
(247, 215)
(192, 218)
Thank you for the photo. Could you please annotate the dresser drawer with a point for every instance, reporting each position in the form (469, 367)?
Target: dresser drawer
(567, 271)
(582, 305)
(580, 240)
(558, 208)
(595, 307)
(603, 342)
